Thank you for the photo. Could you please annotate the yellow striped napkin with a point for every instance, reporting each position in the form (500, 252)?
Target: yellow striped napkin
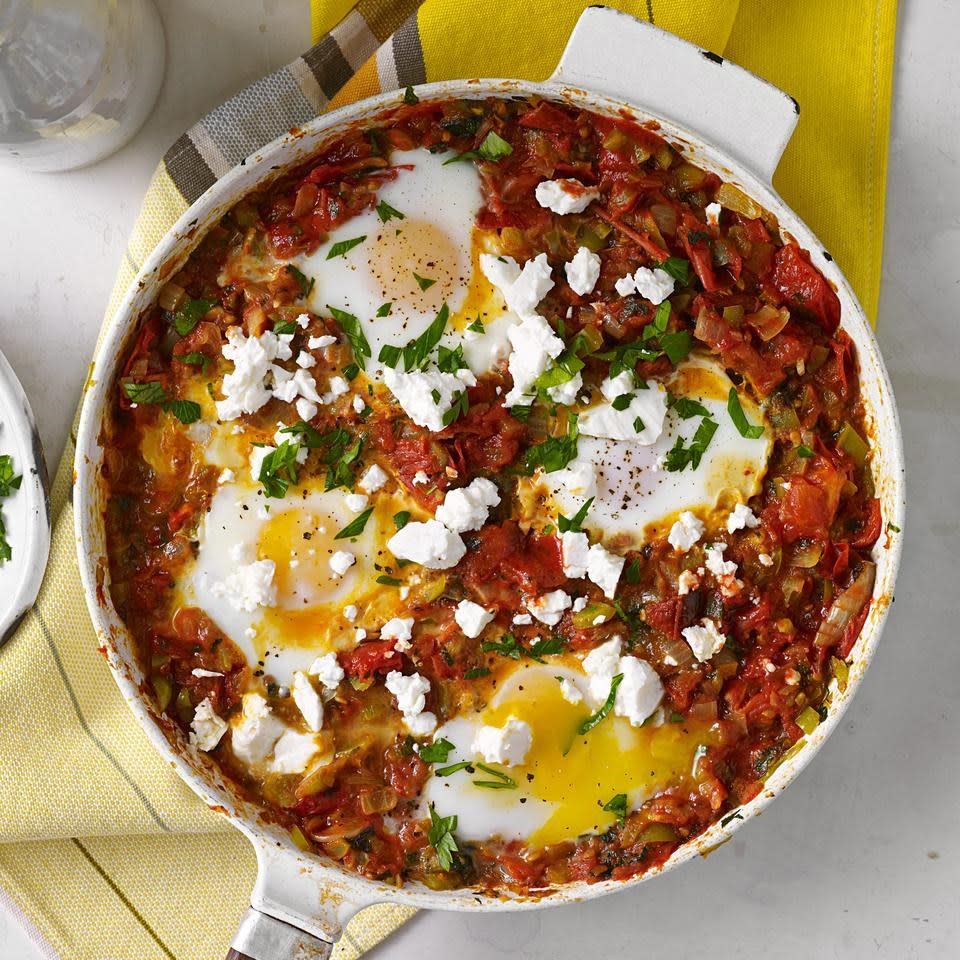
(106, 853)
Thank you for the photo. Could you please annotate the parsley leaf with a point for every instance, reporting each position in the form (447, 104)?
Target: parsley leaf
(555, 452)
(475, 673)
(440, 837)
(477, 326)
(424, 283)
(342, 247)
(355, 527)
(676, 345)
(194, 359)
(401, 519)
(190, 314)
(677, 267)
(352, 330)
(632, 573)
(622, 402)
(284, 328)
(305, 283)
(574, 523)
(436, 752)
(416, 353)
(502, 781)
(9, 482)
(450, 361)
(686, 408)
(506, 646)
(186, 411)
(545, 647)
(309, 438)
(459, 406)
(804, 451)
(410, 97)
(388, 581)
(384, 309)
(618, 805)
(679, 457)
(385, 212)
(739, 418)
(493, 148)
(279, 469)
(595, 718)
(338, 458)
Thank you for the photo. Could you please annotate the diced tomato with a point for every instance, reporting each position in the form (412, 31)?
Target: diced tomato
(406, 774)
(872, 524)
(377, 656)
(804, 286)
(546, 116)
(696, 243)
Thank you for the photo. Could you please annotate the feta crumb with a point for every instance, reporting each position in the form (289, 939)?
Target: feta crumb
(604, 569)
(579, 604)
(257, 456)
(600, 666)
(466, 508)
(575, 549)
(686, 582)
(565, 393)
(420, 478)
(583, 271)
(249, 586)
(358, 403)
(765, 559)
(472, 618)
(318, 343)
(306, 360)
(293, 751)
(341, 562)
(206, 728)
(654, 285)
(226, 476)
(327, 670)
(421, 724)
(303, 321)
(245, 388)
(255, 731)
(426, 395)
(373, 479)
(199, 672)
(742, 517)
(337, 387)
(522, 290)
(411, 692)
(399, 629)
(578, 478)
(507, 745)
(430, 544)
(565, 196)
(685, 532)
(522, 619)
(712, 210)
(355, 502)
(704, 639)
(640, 691)
(716, 564)
(359, 635)
(570, 691)
(549, 607)
(307, 700)
(350, 612)
(306, 409)
(647, 410)
(534, 345)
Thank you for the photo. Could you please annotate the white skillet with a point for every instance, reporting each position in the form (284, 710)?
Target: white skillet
(726, 120)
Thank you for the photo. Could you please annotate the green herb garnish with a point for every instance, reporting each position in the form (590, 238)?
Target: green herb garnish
(385, 212)
(677, 267)
(493, 148)
(352, 330)
(440, 836)
(305, 283)
(679, 456)
(436, 752)
(575, 522)
(618, 806)
(194, 359)
(190, 314)
(501, 781)
(355, 527)
(739, 418)
(342, 247)
(477, 326)
(459, 406)
(595, 718)
(401, 519)
(410, 97)
(9, 482)
(804, 451)
(686, 408)
(384, 309)
(279, 469)
(555, 452)
(186, 411)
(424, 283)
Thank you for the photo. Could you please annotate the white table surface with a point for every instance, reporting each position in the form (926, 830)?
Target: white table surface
(861, 857)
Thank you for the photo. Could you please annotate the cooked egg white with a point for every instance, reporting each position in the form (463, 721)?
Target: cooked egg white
(566, 778)
(636, 499)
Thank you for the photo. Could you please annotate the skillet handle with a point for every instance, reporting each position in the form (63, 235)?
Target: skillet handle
(612, 53)
(262, 937)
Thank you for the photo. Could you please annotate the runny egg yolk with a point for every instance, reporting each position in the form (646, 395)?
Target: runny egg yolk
(577, 774)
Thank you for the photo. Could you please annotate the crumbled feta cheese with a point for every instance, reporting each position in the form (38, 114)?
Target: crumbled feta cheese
(549, 607)
(358, 403)
(426, 395)
(741, 518)
(350, 612)
(303, 321)
(337, 387)
(507, 745)
(583, 271)
(306, 360)
(686, 582)
(654, 285)
(566, 393)
(565, 196)
(712, 210)
(570, 691)
(359, 635)
(411, 692)
(472, 618)
(578, 478)
(575, 549)
(293, 751)
(600, 666)
(640, 691)
(420, 724)
(641, 421)
(301, 384)
(257, 456)
(306, 409)
(327, 670)
(355, 502)
(765, 559)
(420, 478)
(685, 532)
(399, 629)
(430, 544)
(341, 562)
(249, 586)
(199, 672)
(534, 345)
(704, 639)
(226, 476)
(255, 731)
(522, 619)
(604, 569)
(206, 728)
(522, 289)
(374, 477)
(245, 388)
(716, 564)
(307, 700)
(466, 508)
(579, 604)
(318, 343)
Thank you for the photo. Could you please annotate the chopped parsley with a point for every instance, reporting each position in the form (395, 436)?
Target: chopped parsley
(9, 482)
(450, 361)
(892, 527)
(436, 752)
(284, 327)
(194, 359)
(410, 97)
(355, 527)
(477, 326)
(506, 646)
(352, 330)
(440, 835)
(305, 283)
(676, 267)
(618, 806)
(679, 457)
(459, 406)
(279, 469)
(739, 418)
(424, 283)
(190, 314)
(475, 673)
(385, 212)
(804, 451)
(573, 525)
(622, 402)
(186, 411)
(493, 148)
(401, 519)
(500, 782)
(555, 452)
(686, 408)
(342, 247)
(417, 352)
(654, 342)
(601, 714)
(384, 309)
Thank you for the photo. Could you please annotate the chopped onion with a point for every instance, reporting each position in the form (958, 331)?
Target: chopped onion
(846, 607)
(734, 199)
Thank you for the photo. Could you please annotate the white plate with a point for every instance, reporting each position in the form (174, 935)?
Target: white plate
(26, 514)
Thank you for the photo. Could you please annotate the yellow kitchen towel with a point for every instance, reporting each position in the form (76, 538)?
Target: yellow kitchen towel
(104, 850)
